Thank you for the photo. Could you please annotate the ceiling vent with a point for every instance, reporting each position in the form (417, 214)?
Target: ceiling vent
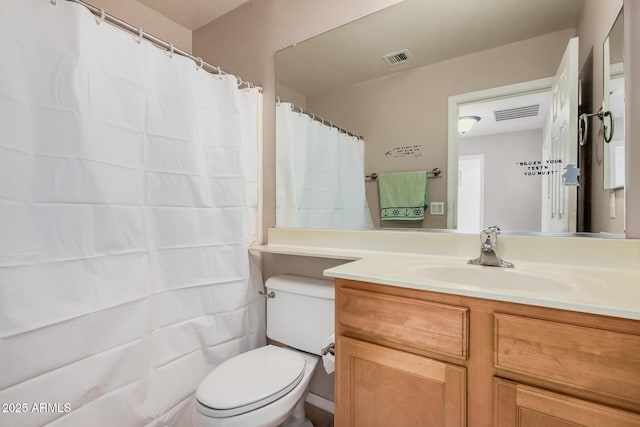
(517, 113)
(397, 58)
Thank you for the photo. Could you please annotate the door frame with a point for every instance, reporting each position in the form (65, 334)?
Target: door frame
(480, 159)
(455, 101)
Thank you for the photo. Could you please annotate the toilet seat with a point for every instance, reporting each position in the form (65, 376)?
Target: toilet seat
(249, 381)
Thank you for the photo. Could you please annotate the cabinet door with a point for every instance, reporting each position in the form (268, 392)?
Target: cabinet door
(379, 386)
(523, 406)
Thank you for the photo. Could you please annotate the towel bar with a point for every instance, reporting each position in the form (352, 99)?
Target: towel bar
(434, 173)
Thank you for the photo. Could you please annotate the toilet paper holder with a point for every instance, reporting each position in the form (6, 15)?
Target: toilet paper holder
(330, 349)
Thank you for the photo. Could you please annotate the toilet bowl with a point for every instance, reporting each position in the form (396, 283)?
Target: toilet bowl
(267, 386)
(273, 381)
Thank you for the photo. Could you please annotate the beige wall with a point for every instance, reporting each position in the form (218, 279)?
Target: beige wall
(245, 40)
(595, 22)
(411, 107)
(152, 22)
(289, 94)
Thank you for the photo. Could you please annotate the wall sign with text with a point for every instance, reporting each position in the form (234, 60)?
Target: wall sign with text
(551, 167)
(414, 151)
(539, 167)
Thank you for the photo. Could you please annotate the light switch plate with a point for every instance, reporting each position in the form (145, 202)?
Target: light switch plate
(436, 208)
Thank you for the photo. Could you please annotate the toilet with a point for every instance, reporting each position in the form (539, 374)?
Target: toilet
(267, 386)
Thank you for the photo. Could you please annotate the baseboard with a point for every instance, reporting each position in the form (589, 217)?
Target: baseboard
(320, 402)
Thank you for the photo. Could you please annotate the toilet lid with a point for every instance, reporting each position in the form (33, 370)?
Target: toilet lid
(250, 380)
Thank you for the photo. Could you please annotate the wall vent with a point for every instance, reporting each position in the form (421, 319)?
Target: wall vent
(397, 58)
(517, 113)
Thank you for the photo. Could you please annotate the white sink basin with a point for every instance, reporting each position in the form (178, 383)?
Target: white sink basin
(489, 277)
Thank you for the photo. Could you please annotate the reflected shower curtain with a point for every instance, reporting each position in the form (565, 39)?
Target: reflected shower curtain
(319, 174)
(128, 198)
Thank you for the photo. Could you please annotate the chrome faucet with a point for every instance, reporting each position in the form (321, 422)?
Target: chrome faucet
(488, 255)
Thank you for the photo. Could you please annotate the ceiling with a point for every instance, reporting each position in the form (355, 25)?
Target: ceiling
(489, 126)
(192, 14)
(432, 31)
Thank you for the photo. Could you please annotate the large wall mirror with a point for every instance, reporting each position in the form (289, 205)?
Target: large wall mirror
(397, 85)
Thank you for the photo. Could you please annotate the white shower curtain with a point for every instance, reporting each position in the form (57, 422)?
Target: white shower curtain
(319, 174)
(128, 198)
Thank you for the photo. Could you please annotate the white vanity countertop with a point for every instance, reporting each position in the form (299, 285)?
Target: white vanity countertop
(598, 276)
(610, 292)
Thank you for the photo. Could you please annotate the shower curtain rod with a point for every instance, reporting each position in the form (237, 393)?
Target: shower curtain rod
(102, 15)
(320, 119)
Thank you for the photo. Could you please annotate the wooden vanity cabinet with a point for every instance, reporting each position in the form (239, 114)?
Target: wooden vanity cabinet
(416, 358)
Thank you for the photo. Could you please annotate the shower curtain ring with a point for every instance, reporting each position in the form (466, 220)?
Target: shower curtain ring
(239, 81)
(140, 35)
(201, 64)
(171, 50)
(100, 19)
(313, 116)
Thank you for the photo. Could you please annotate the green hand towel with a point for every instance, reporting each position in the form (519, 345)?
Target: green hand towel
(403, 196)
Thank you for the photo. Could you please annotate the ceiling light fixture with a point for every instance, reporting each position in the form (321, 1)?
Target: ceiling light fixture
(465, 123)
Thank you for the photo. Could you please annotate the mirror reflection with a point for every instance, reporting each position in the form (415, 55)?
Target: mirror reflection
(528, 137)
(511, 139)
(613, 100)
(393, 78)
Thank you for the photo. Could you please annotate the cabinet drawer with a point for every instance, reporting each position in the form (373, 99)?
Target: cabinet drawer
(387, 319)
(595, 360)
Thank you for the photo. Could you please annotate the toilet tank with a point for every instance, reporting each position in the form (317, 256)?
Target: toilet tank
(301, 315)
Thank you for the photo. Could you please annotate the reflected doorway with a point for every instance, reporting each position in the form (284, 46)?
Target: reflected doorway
(502, 163)
(550, 203)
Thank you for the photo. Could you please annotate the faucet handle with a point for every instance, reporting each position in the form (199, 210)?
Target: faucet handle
(489, 236)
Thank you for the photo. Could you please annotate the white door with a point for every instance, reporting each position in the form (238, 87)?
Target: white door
(562, 208)
(471, 193)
